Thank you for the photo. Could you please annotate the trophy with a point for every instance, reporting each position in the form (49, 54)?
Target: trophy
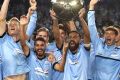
(66, 9)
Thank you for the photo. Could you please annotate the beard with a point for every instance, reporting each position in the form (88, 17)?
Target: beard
(73, 46)
(40, 52)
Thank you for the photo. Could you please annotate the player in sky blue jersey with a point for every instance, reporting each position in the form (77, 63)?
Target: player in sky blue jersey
(76, 67)
(56, 46)
(41, 66)
(107, 60)
(11, 50)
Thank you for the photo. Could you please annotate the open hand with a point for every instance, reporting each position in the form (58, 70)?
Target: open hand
(53, 14)
(23, 20)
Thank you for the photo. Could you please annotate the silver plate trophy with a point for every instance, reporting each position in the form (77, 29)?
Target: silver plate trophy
(67, 9)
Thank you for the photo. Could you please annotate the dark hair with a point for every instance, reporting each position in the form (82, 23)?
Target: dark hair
(39, 39)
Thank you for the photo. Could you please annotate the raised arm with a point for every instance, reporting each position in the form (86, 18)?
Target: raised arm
(3, 14)
(91, 23)
(33, 18)
(84, 26)
(23, 23)
(55, 29)
(60, 66)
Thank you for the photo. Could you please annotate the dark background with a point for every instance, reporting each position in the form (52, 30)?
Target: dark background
(107, 11)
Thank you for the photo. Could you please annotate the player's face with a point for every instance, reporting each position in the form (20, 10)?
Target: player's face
(74, 41)
(110, 37)
(13, 27)
(39, 48)
(43, 35)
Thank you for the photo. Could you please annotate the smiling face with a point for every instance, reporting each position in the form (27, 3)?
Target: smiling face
(13, 27)
(110, 37)
(40, 47)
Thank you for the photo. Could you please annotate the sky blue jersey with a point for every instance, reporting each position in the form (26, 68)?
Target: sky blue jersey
(13, 59)
(91, 63)
(30, 29)
(76, 66)
(40, 69)
(29, 32)
(32, 24)
(57, 75)
(107, 58)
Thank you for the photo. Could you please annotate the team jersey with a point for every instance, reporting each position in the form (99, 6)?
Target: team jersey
(107, 58)
(76, 66)
(57, 75)
(13, 59)
(40, 69)
(32, 24)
